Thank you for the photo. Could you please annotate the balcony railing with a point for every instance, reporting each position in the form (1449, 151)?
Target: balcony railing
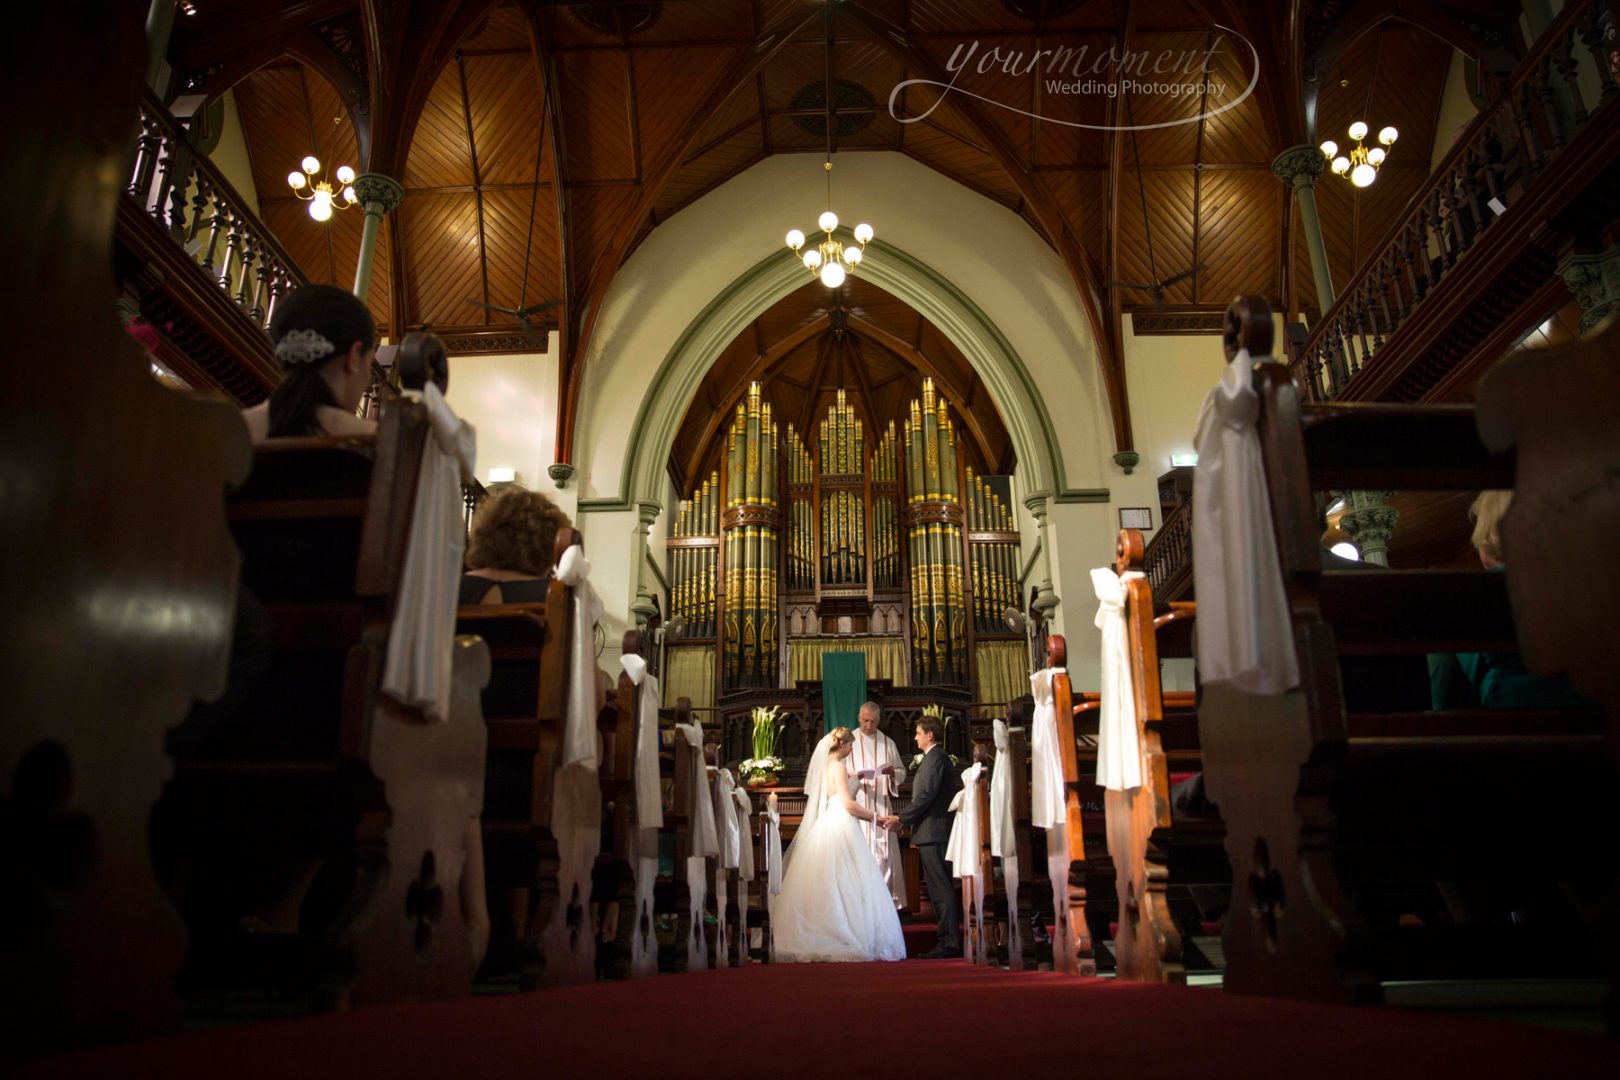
(1497, 164)
(191, 200)
(1167, 560)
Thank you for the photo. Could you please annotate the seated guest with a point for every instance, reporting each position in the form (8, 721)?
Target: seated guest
(509, 553)
(1494, 680)
(325, 339)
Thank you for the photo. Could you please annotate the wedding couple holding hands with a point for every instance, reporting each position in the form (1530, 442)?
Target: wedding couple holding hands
(842, 882)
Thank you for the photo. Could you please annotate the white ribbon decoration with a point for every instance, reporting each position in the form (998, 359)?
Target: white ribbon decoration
(705, 839)
(649, 795)
(1245, 637)
(967, 835)
(1119, 750)
(579, 733)
(1046, 795)
(1002, 827)
(773, 847)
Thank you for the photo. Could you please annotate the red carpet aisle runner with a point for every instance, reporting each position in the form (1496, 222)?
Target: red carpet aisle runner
(950, 1020)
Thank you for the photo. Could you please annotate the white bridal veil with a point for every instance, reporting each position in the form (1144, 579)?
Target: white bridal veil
(815, 794)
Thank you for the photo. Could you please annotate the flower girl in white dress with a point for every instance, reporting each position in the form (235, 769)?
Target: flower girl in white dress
(834, 904)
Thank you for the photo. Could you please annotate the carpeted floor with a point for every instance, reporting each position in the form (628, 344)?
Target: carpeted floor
(939, 1018)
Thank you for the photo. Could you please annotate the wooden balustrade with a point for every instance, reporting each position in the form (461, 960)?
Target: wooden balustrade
(182, 191)
(1167, 562)
(1496, 164)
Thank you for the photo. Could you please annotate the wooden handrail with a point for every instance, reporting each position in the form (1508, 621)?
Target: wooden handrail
(189, 198)
(1167, 559)
(1492, 167)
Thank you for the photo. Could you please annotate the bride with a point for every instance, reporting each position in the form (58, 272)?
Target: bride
(834, 904)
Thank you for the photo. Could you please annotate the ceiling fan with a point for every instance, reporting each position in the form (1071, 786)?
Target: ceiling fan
(1156, 289)
(521, 312)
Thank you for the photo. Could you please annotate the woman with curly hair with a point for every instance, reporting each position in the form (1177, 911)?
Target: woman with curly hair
(509, 552)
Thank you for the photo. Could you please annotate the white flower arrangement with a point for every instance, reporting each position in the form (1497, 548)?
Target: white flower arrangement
(760, 766)
(916, 762)
(767, 730)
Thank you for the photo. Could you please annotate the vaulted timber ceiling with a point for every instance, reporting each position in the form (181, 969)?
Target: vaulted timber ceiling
(814, 342)
(539, 142)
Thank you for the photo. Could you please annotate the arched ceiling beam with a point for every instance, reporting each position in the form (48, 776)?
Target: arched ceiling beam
(761, 368)
(920, 359)
(410, 42)
(1038, 201)
(739, 73)
(551, 134)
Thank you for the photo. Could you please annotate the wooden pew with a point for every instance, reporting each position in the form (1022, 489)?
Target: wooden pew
(674, 897)
(1012, 901)
(1072, 950)
(1144, 835)
(524, 706)
(630, 863)
(1337, 824)
(121, 577)
(1555, 409)
(976, 919)
(320, 769)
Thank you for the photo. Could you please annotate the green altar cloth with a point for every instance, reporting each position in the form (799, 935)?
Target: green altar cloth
(843, 689)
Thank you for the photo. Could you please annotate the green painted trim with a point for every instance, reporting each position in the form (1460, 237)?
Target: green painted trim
(1029, 564)
(1084, 495)
(658, 572)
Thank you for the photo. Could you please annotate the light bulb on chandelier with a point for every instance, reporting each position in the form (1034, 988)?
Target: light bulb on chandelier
(319, 192)
(1359, 164)
(830, 260)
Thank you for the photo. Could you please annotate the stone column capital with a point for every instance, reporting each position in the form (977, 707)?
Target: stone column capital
(1595, 282)
(1035, 503)
(1127, 460)
(375, 189)
(648, 512)
(1299, 166)
(560, 473)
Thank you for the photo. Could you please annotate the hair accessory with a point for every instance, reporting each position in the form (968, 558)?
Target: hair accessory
(303, 347)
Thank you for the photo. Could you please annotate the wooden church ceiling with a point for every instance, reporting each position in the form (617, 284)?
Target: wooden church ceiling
(539, 142)
(815, 341)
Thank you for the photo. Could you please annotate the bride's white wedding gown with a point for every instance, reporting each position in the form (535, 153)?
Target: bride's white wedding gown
(834, 904)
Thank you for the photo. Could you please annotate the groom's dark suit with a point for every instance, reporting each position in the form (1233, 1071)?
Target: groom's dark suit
(933, 786)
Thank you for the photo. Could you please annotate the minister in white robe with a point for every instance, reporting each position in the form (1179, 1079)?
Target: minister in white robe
(879, 769)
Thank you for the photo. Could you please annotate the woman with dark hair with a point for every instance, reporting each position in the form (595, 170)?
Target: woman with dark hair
(509, 551)
(325, 340)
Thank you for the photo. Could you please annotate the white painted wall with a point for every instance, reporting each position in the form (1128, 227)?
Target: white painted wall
(1456, 109)
(231, 155)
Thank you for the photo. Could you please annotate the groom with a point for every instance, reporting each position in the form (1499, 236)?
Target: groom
(929, 817)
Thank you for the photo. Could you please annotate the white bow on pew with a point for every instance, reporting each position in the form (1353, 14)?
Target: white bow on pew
(773, 846)
(1119, 752)
(1002, 827)
(416, 672)
(649, 797)
(967, 836)
(579, 733)
(1244, 634)
(744, 810)
(725, 816)
(705, 838)
(1046, 796)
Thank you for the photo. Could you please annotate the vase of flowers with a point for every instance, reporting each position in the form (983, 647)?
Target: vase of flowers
(761, 770)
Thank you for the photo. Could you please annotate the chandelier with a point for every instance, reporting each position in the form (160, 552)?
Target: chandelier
(830, 260)
(320, 197)
(1360, 165)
